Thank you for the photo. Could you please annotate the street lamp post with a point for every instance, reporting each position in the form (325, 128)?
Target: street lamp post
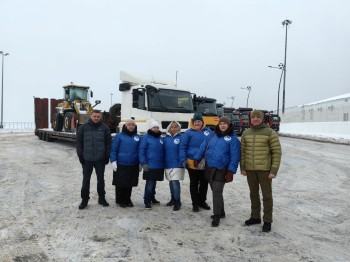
(281, 67)
(249, 88)
(111, 99)
(233, 99)
(2, 88)
(285, 23)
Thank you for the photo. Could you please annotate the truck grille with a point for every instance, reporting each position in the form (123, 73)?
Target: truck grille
(165, 124)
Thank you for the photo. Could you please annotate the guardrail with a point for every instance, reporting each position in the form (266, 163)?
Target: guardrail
(18, 125)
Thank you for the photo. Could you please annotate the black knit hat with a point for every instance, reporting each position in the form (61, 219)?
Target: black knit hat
(198, 116)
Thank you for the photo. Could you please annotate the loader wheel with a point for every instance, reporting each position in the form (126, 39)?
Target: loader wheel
(68, 121)
(57, 122)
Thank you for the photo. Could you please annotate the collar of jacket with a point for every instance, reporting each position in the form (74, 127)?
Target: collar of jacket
(127, 132)
(226, 133)
(151, 133)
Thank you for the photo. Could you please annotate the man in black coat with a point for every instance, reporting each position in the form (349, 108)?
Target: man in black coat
(93, 145)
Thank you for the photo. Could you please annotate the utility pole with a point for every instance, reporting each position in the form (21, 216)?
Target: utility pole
(285, 23)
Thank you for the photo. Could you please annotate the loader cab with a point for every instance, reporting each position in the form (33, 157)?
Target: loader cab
(75, 92)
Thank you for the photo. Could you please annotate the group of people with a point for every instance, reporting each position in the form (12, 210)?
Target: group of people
(210, 157)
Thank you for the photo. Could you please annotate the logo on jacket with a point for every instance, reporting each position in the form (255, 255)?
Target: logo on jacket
(206, 133)
(227, 138)
(176, 141)
(136, 138)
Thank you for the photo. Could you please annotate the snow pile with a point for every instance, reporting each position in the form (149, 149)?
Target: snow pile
(333, 132)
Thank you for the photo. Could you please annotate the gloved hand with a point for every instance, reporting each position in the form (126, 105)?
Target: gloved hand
(81, 160)
(184, 164)
(229, 177)
(145, 167)
(106, 161)
(114, 165)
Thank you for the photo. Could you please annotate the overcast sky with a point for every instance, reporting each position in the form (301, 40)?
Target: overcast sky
(217, 47)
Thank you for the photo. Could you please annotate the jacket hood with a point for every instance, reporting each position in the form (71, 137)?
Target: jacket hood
(168, 128)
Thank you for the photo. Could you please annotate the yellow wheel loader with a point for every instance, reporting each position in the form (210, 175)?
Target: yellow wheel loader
(74, 110)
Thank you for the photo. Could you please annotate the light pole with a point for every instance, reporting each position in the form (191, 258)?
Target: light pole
(285, 23)
(233, 99)
(249, 88)
(2, 88)
(111, 99)
(280, 66)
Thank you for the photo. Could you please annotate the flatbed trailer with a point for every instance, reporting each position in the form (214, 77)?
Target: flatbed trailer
(50, 135)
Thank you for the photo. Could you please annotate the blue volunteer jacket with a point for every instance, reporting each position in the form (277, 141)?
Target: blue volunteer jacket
(191, 141)
(151, 151)
(124, 149)
(223, 152)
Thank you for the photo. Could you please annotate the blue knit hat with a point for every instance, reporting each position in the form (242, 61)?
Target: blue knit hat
(198, 116)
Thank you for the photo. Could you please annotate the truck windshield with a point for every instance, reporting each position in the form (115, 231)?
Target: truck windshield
(169, 100)
(207, 108)
(220, 111)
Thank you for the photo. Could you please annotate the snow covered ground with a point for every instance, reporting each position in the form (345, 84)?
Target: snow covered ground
(40, 220)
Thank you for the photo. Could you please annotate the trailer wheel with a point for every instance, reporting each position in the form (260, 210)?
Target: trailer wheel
(68, 121)
(57, 122)
(40, 135)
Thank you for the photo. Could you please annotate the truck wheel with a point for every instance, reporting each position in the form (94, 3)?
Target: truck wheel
(57, 122)
(68, 121)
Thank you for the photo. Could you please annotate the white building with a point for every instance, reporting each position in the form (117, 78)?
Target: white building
(334, 109)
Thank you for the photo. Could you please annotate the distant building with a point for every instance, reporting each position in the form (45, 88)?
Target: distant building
(334, 109)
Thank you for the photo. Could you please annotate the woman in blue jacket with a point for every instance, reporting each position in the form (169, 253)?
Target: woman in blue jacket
(174, 172)
(189, 146)
(151, 156)
(222, 155)
(125, 162)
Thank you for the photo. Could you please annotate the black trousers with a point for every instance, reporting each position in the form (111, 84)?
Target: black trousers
(123, 195)
(198, 186)
(88, 167)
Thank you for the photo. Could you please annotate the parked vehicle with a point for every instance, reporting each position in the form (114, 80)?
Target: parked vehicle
(233, 115)
(207, 107)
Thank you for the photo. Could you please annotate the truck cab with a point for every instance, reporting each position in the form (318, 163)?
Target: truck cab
(244, 117)
(207, 107)
(233, 115)
(146, 100)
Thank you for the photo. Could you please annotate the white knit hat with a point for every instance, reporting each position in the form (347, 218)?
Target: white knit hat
(154, 124)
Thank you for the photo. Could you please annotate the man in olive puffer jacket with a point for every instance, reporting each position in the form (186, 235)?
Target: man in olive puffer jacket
(93, 146)
(260, 160)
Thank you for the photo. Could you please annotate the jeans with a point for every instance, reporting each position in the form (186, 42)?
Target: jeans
(150, 191)
(175, 189)
(88, 167)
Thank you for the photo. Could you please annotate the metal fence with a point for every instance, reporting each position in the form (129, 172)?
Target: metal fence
(18, 125)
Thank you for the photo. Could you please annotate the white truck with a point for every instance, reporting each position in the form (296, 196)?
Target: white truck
(146, 100)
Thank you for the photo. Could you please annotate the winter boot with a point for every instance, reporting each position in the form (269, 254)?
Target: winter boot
(252, 221)
(177, 205)
(216, 221)
(155, 201)
(222, 215)
(171, 202)
(102, 201)
(83, 203)
(266, 227)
